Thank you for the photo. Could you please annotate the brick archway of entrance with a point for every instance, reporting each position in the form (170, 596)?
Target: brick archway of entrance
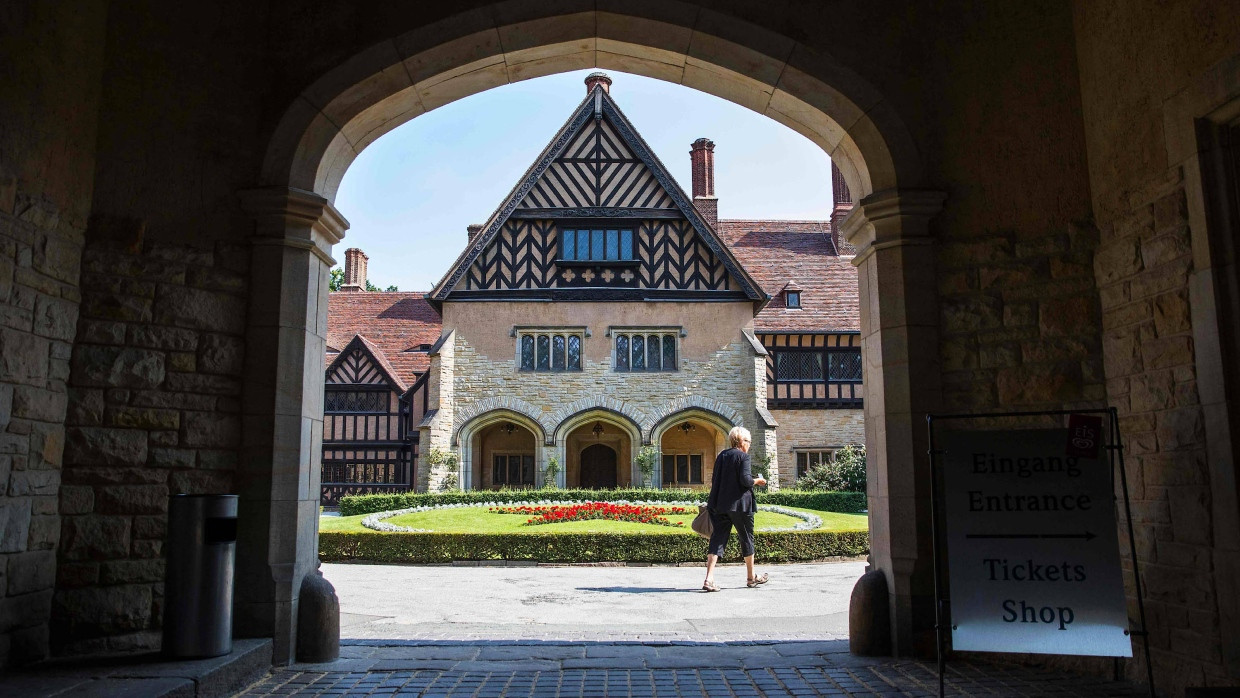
(350, 106)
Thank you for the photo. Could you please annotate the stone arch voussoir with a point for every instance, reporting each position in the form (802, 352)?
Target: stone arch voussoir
(495, 404)
(689, 403)
(607, 404)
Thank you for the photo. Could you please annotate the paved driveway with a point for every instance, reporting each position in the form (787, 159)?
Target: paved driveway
(801, 602)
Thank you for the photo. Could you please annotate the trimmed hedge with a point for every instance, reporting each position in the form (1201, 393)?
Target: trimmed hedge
(782, 546)
(842, 502)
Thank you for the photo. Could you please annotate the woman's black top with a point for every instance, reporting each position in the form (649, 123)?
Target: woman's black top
(731, 485)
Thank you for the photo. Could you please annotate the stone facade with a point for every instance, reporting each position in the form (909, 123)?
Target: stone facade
(154, 410)
(814, 429)
(478, 378)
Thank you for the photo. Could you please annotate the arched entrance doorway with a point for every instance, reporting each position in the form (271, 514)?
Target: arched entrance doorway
(598, 467)
(387, 83)
(687, 453)
(503, 456)
(596, 453)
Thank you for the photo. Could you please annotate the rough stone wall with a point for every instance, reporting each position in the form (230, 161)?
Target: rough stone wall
(1019, 321)
(153, 411)
(804, 429)
(47, 148)
(1135, 59)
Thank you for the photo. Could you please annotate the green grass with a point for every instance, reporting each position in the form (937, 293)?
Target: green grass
(479, 520)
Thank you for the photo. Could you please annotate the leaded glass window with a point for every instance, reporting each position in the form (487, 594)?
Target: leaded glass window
(596, 245)
(557, 352)
(544, 352)
(654, 353)
(669, 353)
(798, 366)
(574, 352)
(355, 401)
(527, 352)
(549, 351)
(622, 352)
(646, 352)
(844, 366)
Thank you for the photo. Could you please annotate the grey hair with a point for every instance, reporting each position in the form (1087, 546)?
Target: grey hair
(737, 435)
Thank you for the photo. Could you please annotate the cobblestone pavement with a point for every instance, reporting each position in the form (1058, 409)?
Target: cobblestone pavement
(605, 631)
(546, 669)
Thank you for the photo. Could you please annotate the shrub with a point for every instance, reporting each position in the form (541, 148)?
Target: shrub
(844, 473)
(783, 546)
(647, 462)
(844, 502)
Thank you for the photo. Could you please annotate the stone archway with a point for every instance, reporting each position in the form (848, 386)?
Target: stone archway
(332, 120)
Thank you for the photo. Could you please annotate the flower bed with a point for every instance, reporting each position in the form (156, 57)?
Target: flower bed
(591, 511)
(377, 521)
(843, 502)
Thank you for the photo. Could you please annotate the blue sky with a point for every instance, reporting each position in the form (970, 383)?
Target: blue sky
(409, 196)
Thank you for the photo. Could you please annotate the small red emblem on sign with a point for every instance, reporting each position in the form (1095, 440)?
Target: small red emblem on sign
(1084, 435)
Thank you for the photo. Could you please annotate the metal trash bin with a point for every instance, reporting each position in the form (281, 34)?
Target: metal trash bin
(198, 585)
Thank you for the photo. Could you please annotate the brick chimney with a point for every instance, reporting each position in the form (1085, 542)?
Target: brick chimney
(598, 78)
(702, 157)
(354, 270)
(842, 203)
(471, 231)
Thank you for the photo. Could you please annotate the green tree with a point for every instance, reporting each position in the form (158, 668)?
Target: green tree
(337, 280)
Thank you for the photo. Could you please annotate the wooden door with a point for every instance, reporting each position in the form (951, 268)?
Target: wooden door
(598, 467)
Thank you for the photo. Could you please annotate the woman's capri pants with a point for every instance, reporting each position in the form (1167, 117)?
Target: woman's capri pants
(723, 522)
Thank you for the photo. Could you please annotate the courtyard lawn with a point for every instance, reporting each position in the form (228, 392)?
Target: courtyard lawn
(479, 520)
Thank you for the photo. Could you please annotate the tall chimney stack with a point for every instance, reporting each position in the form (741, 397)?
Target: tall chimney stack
(702, 157)
(842, 203)
(598, 78)
(354, 270)
(471, 231)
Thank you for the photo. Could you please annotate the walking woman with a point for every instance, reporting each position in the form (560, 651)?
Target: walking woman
(731, 503)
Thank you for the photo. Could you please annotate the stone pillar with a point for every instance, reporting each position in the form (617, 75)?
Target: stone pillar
(282, 429)
(899, 330)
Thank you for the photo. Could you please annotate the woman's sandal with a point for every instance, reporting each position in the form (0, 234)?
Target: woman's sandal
(710, 586)
(758, 580)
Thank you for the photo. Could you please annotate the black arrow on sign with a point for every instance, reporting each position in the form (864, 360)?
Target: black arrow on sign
(1082, 536)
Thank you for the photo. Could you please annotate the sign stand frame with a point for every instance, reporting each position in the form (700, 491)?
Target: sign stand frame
(1115, 455)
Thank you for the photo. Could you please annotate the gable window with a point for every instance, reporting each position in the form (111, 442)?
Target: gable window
(596, 244)
(682, 469)
(549, 350)
(793, 299)
(809, 458)
(645, 351)
(336, 400)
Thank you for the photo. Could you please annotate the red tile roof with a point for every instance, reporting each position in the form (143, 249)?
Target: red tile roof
(392, 323)
(778, 252)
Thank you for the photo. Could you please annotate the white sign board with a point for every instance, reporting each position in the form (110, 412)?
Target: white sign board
(1032, 548)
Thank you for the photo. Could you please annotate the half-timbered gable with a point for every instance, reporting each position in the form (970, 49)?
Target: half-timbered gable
(375, 391)
(597, 217)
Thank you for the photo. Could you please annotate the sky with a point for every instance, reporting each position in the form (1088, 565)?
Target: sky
(409, 196)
